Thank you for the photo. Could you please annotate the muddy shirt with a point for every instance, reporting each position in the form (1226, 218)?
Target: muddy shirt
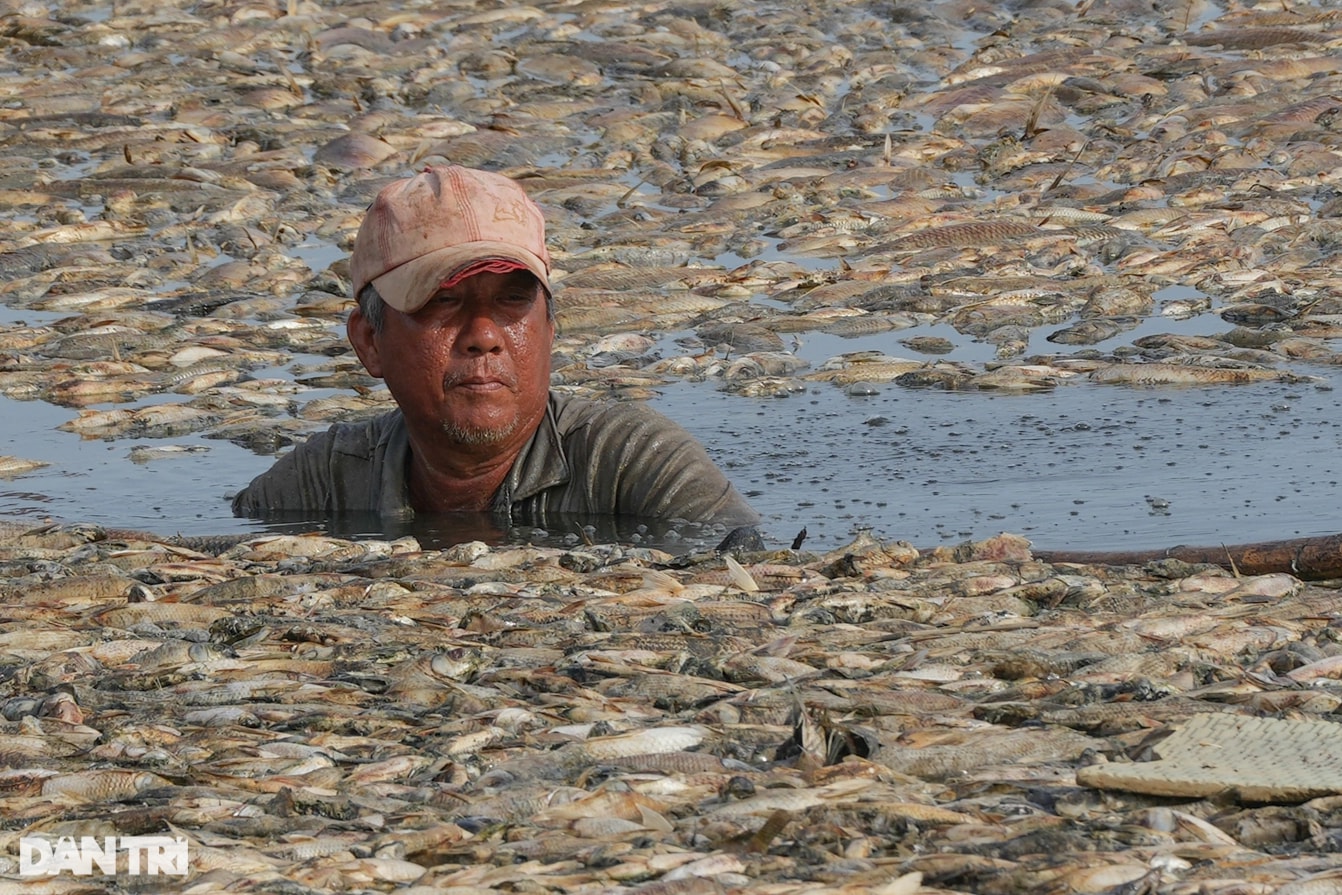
(586, 457)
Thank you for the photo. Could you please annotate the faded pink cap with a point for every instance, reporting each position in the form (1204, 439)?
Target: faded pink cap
(421, 231)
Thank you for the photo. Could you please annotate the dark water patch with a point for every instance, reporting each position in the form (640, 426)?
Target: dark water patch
(1081, 467)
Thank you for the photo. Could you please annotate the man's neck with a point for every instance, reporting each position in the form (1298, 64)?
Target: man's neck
(446, 476)
(457, 487)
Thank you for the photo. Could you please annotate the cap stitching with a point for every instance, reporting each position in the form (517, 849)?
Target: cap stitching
(463, 210)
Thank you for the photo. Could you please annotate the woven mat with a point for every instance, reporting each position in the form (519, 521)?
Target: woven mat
(1257, 759)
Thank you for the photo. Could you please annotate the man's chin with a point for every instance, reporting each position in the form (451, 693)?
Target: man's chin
(478, 436)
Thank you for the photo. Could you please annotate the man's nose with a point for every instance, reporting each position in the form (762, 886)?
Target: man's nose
(480, 332)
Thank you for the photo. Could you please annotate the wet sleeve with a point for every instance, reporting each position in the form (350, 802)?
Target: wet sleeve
(300, 480)
(656, 469)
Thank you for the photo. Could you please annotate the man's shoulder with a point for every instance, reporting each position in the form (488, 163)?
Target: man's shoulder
(632, 460)
(358, 438)
(617, 429)
(335, 469)
(573, 412)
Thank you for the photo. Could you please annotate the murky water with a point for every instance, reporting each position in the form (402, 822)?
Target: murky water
(1079, 467)
(1082, 466)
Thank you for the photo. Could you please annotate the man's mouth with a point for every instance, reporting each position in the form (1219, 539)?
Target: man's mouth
(477, 382)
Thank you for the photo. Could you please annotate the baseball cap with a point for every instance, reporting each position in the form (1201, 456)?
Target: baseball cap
(422, 231)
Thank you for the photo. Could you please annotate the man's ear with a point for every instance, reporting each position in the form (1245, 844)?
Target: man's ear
(364, 340)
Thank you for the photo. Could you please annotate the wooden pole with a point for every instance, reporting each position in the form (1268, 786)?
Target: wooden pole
(1309, 559)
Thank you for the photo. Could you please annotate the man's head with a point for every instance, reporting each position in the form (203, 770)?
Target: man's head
(463, 341)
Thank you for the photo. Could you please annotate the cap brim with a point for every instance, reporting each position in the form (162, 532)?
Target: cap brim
(409, 287)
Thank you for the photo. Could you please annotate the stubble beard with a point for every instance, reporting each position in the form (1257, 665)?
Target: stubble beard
(479, 436)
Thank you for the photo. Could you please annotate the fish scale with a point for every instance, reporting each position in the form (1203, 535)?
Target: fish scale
(1128, 716)
(1253, 38)
(698, 645)
(939, 761)
(1176, 374)
(974, 233)
(79, 590)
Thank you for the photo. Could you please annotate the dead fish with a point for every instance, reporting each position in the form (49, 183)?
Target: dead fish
(644, 742)
(1092, 331)
(356, 150)
(767, 387)
(108, 785)
(144, 453)
(1021, 377)
(1184, 308)
(1253, 38)
(1176, 374)
(847, 369)
(972, 233)
(11, 466)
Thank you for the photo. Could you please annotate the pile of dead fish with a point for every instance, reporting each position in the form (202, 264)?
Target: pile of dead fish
(180, 182)
(315, 715)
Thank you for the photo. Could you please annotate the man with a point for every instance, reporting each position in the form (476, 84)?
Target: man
(452, 279)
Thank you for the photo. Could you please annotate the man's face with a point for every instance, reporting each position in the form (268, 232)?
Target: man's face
(472, 365)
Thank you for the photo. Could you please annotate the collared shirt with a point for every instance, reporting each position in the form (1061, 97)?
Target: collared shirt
(586, 457)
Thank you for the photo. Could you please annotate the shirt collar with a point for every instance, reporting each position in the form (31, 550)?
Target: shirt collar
(541, 464)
